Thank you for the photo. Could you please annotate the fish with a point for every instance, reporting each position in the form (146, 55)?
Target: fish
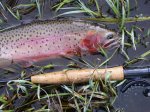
(39, 40)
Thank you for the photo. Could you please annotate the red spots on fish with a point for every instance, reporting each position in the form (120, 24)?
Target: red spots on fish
(78, 51)
(70, 52)
(106, 45)
(90, 42)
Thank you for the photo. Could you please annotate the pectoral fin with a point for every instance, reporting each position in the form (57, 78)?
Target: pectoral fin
(14, 65)
(5, 62)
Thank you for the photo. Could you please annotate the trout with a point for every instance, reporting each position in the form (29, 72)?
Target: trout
(41, 40)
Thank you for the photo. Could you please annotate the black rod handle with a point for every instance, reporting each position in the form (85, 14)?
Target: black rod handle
(138, 72)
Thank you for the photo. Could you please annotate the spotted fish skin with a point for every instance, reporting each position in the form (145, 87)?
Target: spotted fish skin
(52, 38)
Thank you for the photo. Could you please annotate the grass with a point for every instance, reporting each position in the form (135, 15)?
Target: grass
(142, 57)
(80, 8)
(85, 97)
(79, 98)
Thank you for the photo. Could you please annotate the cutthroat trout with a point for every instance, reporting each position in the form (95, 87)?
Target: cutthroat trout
(40, 40)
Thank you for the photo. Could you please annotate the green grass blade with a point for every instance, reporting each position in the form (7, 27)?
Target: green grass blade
(123, 18)
(17, 15)
(113, 7)
(39, 8)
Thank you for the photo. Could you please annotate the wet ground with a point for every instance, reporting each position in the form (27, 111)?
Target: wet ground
(133, 99)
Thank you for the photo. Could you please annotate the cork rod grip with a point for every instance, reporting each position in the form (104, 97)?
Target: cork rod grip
(78, 76)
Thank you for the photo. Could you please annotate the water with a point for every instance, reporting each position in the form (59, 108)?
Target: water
(133, 99)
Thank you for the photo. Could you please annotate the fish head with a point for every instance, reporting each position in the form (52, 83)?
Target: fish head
(99, 38)
(108, 39)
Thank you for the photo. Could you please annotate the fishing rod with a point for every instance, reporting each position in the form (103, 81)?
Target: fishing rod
(84, 75)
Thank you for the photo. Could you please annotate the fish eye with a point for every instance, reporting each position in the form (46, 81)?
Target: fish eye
(110, 36)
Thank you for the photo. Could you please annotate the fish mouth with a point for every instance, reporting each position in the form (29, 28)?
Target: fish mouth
(112, 43)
